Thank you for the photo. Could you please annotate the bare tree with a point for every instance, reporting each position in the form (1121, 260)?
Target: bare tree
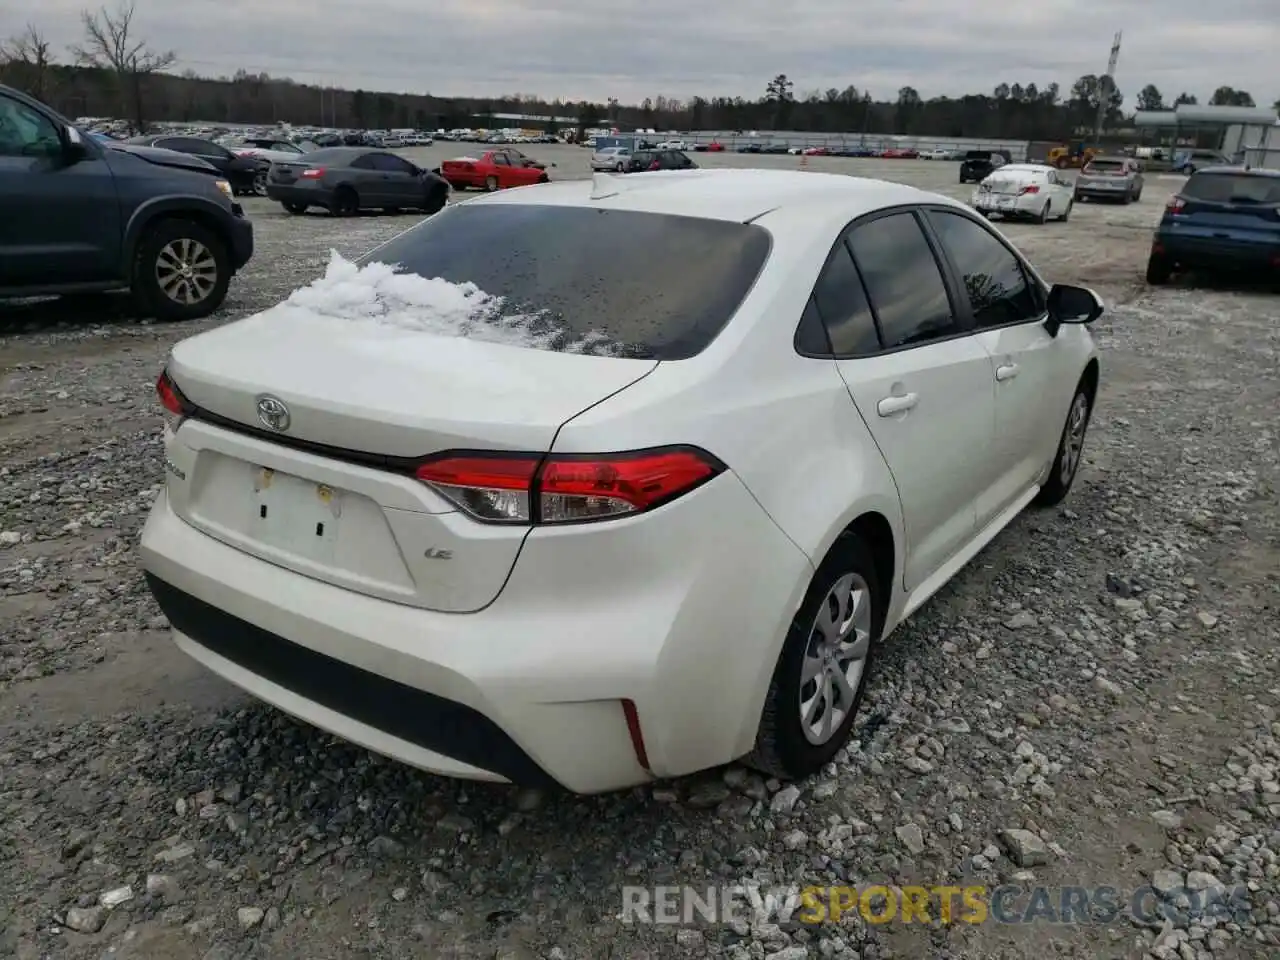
(26, 57)
(111, 45)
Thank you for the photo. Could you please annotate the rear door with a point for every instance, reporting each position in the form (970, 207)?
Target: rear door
(1030, 381)
(921, 383)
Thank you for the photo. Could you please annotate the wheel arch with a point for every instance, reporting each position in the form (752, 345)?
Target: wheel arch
(149, 216)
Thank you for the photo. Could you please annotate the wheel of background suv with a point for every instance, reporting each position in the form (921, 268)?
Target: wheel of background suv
(345, 203)
(295, 208)
(182, 271)
(260, 183)
(491, 183)
(822, 671)
(1159, 269)
(1066, 463)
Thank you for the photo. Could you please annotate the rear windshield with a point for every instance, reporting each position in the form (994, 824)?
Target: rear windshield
(1233, 188)
(585, 280)
(1103, 166)
(977, 155)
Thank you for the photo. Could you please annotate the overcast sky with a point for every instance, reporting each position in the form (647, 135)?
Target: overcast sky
(587, 49)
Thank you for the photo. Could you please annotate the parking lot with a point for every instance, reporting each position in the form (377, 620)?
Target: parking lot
(1103, 675)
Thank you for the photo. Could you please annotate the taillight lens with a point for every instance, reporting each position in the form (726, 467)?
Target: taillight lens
(1175, 204)
(566, 488)
(1031, 189)
(312, 173)
(171, 399)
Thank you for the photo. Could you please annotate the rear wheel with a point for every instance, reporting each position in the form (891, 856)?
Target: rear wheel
(1066, 214)
(182, 271)
(295, 208)
(1043, 215)
(821, 673)
(260, 183)
(491, 183)
(436, 201)
(345, 203)
(1159, 269)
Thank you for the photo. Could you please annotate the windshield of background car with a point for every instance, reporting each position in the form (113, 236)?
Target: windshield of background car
(625, 283)
(1232, 188)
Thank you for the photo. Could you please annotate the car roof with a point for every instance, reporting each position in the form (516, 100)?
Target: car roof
(735, 195)
(1110, 156)
(339, 154)
(1240, 171)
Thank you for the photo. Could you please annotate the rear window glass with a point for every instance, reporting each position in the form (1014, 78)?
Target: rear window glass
(1105, 165)
(1232, 188)
(603, 282)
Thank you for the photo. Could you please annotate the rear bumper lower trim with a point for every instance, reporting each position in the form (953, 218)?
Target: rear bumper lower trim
(434, 723)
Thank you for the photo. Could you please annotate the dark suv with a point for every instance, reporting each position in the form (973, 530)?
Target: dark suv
(978, 164)
(79, 216)
(645, 160)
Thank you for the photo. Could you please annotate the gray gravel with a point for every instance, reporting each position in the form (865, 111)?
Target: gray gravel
(1092, 702)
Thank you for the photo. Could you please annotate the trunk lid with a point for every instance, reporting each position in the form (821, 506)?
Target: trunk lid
(286, 172)
(349, 512)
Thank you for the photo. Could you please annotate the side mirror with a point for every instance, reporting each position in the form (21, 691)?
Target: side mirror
(1070, 304)
(74, 148)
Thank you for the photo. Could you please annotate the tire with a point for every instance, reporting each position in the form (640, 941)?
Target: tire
(297, 209)
(545, 178)
(181, 271)
(346, 203)
(1159, 270)
(436, 202)
(786, 746)
(1066, 214)
(1137, 196)
(1066, 462)
(260, 183)
(1043, 215)
(490, 183)
(617, 168)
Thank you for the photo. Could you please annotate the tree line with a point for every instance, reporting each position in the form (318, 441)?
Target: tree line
(114, 72)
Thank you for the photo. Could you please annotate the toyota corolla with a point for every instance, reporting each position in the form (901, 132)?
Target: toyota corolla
(590, 484)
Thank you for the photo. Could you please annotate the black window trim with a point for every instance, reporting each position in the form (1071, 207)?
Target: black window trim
(1028, 274)
(961, 312)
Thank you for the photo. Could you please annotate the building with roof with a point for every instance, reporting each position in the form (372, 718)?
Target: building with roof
(1251, 134)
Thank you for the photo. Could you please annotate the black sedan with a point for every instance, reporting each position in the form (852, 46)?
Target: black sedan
(246, 174)
(346, 180)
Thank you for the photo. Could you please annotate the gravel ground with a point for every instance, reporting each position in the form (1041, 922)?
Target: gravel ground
(1103, 677)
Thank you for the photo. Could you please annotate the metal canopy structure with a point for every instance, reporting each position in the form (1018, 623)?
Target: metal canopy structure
(1194, 115)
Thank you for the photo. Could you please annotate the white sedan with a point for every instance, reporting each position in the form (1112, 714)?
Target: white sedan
(611, 158)
(938, 153)
(1025, 190)
(498, 523)
(673, 145)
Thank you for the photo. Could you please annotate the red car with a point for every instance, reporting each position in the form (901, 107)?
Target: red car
(817, 152)
(900, 154)
(494, 170)
(715, 146)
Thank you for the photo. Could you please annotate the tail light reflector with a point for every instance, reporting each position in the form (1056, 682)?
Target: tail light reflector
(1175, 204)
(171, 398)
(1033, 188)
(566, 488)
(312, 173)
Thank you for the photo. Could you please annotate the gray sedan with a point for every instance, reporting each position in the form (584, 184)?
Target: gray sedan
(346, 180)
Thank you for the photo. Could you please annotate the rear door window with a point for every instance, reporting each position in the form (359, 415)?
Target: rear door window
(600, 281)
(842, 303)
(903, 281)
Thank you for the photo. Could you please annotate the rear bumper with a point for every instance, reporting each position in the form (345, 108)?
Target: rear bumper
(682, 612)
(1218, 253)
(1101, 193)
(290, 193)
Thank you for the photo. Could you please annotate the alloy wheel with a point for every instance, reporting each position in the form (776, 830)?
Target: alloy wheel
(1073, 441)
(186, 271)
(835, 658)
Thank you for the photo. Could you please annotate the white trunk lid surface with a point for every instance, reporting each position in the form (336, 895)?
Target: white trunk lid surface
(365, 386)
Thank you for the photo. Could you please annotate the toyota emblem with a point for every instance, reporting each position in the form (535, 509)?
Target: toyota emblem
(273, 414)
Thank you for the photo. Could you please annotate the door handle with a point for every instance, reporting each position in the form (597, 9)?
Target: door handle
(897, 404)
(1006, 372)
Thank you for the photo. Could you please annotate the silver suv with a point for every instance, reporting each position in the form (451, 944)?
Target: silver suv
(1110, 178)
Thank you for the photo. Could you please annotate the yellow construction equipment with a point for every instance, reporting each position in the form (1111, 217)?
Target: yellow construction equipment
(1073, 156)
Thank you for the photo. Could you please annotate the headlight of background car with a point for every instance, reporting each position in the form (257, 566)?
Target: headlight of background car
(225, 187)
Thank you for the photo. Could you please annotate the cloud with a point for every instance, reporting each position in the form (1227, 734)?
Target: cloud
(578, 49)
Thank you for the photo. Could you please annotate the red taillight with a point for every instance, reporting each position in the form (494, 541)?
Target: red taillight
(567, 488)
(1031, 189)
(1175, 204)
(313, 173)
(171, 398)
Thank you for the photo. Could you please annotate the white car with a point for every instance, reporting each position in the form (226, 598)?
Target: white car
(504, 524)
(1025, 190)
(673, 145)
(938, 153)
(611, 158)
